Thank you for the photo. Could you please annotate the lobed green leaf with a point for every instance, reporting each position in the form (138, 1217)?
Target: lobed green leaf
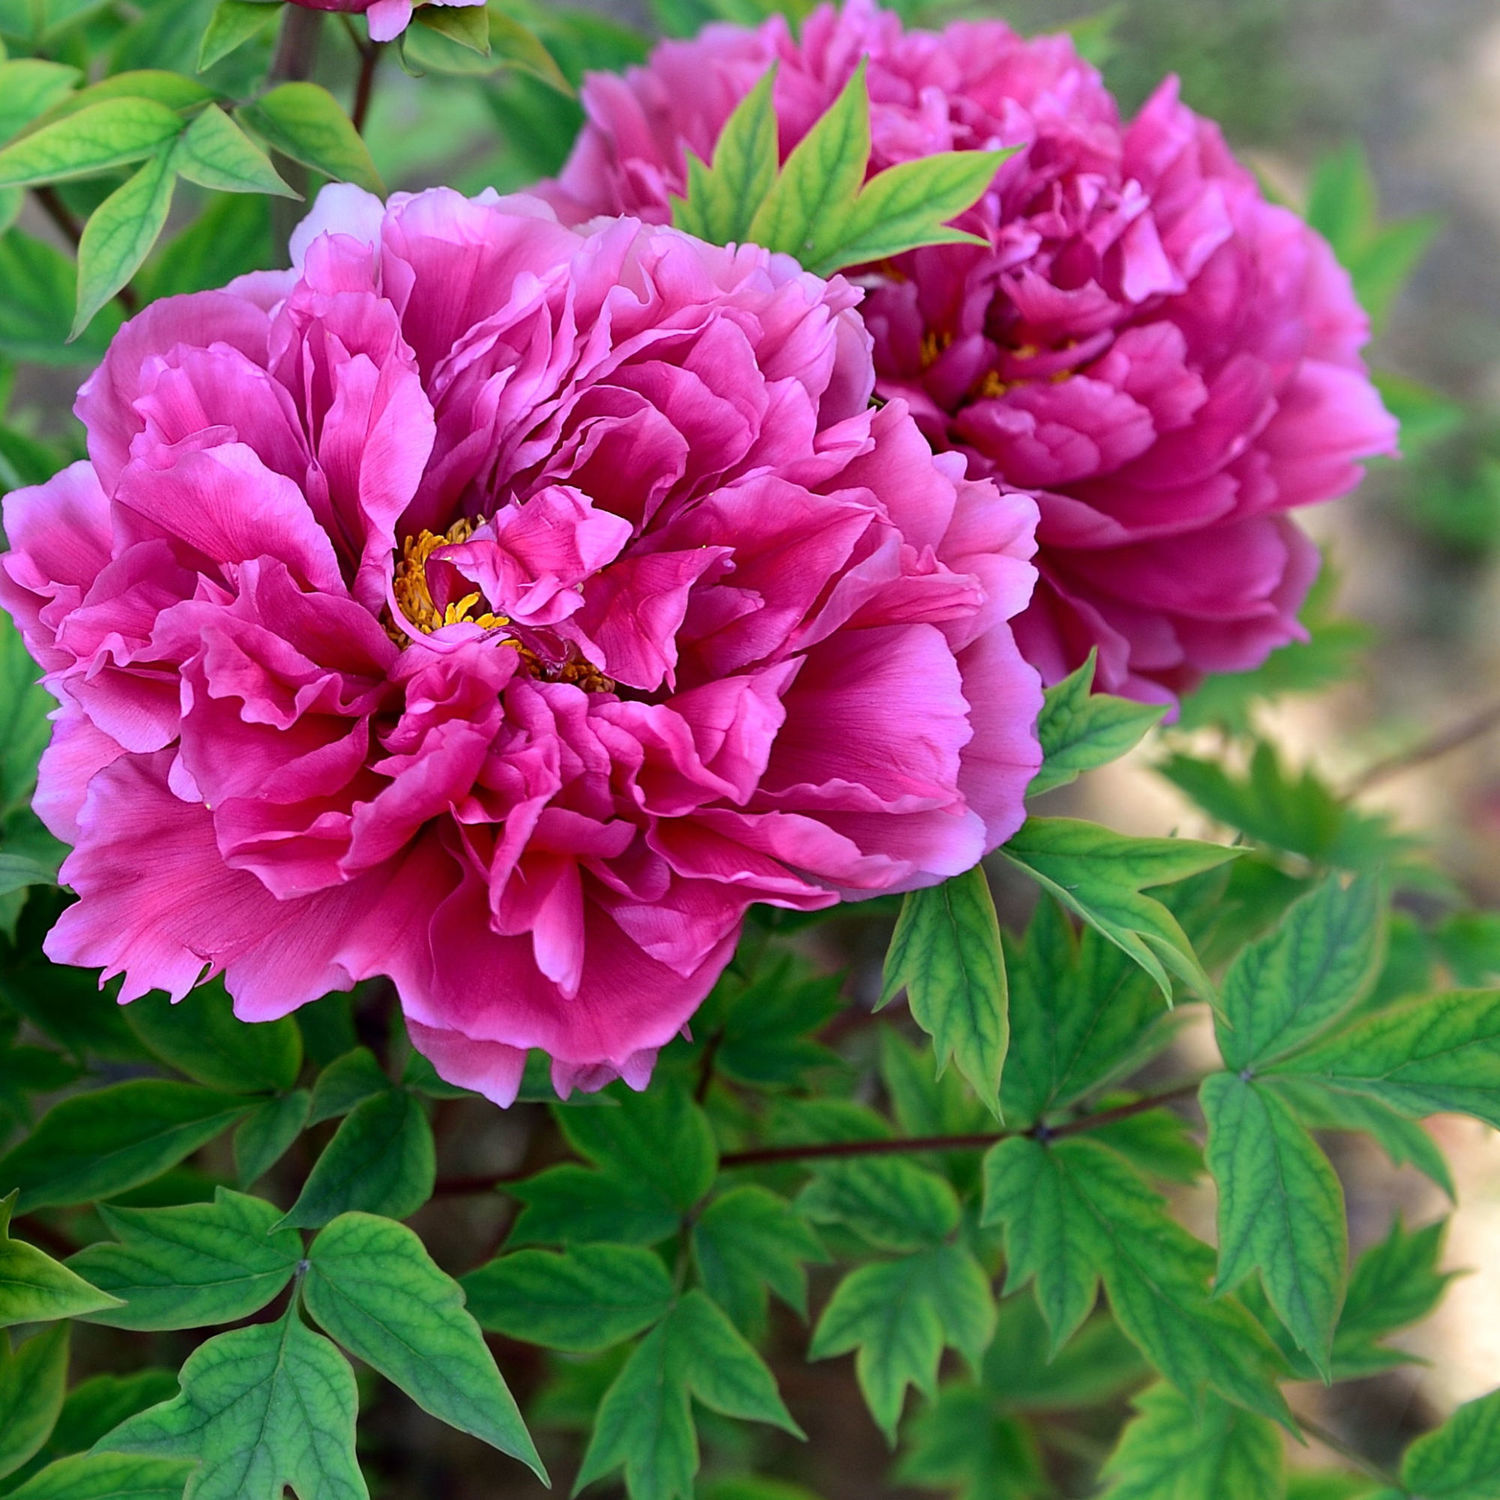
(722, 199)
(1081, 730)
(1461, 1460)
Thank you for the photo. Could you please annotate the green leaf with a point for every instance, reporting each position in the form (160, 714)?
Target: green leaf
(893, 1203)
(963, 1444)
(1461, 1460)
(260, 1408)
(908, 205)
(20, 871)
(1320, 1107)
(305, 122)
(898, 1315)
(95, 1405)
(265, 1135)
(34, 318)
(34, 1288)
(1396, 1282)
(111, 133)
(1100, 875)
(157, 85)
(190, 1265)
(24, 705)
(230, 237)
(106, 1476)
(820, 179)
(381, 1160)
(372, 1286)
(1081, 1013)
(946, 953)
(1021, 1373)
(570, 1205)
(749, 1241)
(645, 1421)
(202, 1037)
(1074, 1212)
(589, 1297)
(348, 1080)
(722, 199)
(1174, 1451)
(1281, 1210)
(1293, 982)
(1296, 813)
(1422, 1057)
(98, 1144)
(233, 23)
(660, 1142)
(33, 1379)
(215, 153)
(468, 26)
(29, 87)
(1081, 729)
(119, 236)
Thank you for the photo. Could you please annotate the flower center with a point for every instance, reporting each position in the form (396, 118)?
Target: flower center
(421, 613)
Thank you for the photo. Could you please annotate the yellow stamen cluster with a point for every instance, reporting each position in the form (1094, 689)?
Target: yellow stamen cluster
(415, 597)
(420, 612)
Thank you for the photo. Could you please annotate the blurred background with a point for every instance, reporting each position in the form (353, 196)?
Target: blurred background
(1381, 118)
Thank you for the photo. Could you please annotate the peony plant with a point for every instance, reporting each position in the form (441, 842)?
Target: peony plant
(523, 696)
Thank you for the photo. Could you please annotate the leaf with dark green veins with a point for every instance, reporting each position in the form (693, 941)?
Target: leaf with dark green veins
(202, 1037)
(1403, 1140)
(963, 1444)
(749, 1242)
(645, 1421)
(33, 1379)
(381, 1160)
(946, 954)
(265, 1135)
(1296, 980)
(215, 153)
(112, 133)
(101, 1143)
(349, 1079)
(1081, 1013)
(1081, 729)
(1075, 1210)
(1422, 1057)
(893, 1203)
(372, 1286)
(1461, 1460)
(1021, 1373)
(260, 1408)
(190, 1265)
(305, 122)
(106, 1476)
(721, 199)
(29, 87)
(820, 178)
(571, 1205)
(1174, 1450)
(909, 204)
(1101, 875)
(587, 1298)
(899, 1315)
(233, 23)
(34, 1288)
(119, 236)
(659, 1141)
(95, 1405)
(1281, 1210)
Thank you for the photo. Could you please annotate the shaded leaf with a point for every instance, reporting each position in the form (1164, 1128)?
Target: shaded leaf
(305, 122)
(1081, 729)
(33, 1379)
(748, 1242)
(119, 236)
(107, 1476)
(34, 1288)
(202, 1037)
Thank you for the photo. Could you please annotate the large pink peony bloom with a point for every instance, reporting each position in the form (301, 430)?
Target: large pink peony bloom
(504, 608)
(387, 19)
(1169, 362)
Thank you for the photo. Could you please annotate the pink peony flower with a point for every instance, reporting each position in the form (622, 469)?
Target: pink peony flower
(387, 19)
(504, 608)
(1169, 362)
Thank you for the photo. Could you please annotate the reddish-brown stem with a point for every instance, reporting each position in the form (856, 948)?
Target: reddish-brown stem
(364, 88)
(1444, 742)
(761, 1156)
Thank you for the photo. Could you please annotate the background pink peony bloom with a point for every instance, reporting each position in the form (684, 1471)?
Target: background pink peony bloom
(504, 608)
(1167, 361)
(387, 19)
